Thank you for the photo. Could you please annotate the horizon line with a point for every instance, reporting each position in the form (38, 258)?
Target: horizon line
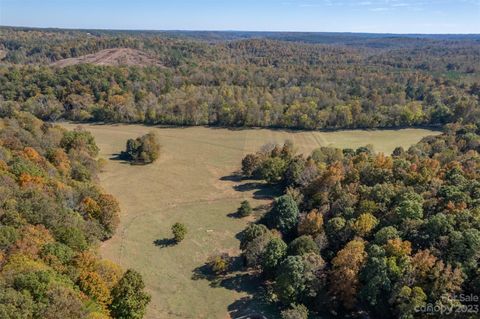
(227, 30)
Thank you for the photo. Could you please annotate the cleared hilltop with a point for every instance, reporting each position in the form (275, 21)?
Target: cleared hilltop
(116, 57)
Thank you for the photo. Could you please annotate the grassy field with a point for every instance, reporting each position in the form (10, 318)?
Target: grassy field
(191, 183)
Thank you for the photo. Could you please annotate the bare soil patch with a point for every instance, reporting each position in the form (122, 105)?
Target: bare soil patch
(116, 56)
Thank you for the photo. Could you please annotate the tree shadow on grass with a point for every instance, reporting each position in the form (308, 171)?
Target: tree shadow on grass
(234, 177)
(252, 307)
(234, 215)
(250, 186)
(203, 273)
(255, 305)
(237, 278)
(165, 242)
(268, 192)
(260, 190)
(118, 157)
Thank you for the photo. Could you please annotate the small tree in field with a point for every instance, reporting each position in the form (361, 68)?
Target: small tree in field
(245, 209)
(179, 231)
(142, 150)
(219, 263)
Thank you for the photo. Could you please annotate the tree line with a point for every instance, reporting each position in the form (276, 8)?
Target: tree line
(52, 216)
(359, 233)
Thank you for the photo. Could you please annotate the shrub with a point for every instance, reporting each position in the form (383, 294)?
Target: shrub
(245, 209)
(219, 263)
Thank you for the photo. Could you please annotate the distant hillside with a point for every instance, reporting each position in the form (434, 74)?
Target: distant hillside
(259, 82)
(116, 56)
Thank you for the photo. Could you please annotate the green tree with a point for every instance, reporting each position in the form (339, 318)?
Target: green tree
(254, 250)
(364, 224)
(290, 281)
(179, 232)
(408, 300)
(410, 206)
(8, 235)
(302, 245)
(251, 232)
(36, 283)
(385, 234)
(327, 155)
(273, 254)
(129, 300)
(294, 170)
(72, 237)
(377, 286)
(273, 169)
(299, 278)
(284, 214)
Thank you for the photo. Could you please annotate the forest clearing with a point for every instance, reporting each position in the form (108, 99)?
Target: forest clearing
(193, 182)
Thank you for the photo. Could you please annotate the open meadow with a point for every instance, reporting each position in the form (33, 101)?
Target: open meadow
(193, 183)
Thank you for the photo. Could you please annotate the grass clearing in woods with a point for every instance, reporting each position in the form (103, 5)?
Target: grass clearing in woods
(192, 183)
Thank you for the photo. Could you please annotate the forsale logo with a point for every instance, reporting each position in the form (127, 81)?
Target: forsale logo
(449, 304)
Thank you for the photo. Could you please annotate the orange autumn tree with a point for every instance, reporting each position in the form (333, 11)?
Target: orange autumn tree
(344, 281)
(311, 223)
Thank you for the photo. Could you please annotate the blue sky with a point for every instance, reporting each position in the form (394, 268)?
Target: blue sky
(380, 16)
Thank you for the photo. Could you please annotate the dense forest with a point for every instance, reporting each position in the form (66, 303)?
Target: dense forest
(52, 215)
(372, 235)
(250, 80)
